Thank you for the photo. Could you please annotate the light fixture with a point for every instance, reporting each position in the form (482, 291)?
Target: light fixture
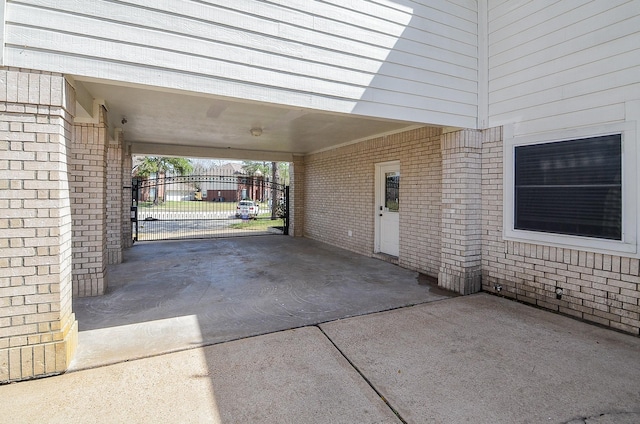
(256, 132)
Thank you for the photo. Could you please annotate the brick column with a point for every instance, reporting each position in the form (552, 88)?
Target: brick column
(38, 331)
(296, 197)
(115, 218)
(127, 165)
(88, 183)
(461, 243)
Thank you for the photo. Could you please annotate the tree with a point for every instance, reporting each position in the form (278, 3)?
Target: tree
(156, 164)
(200, 167)
(250, 167)
(274, 192)
(161, 165)
(277, 173)
(283, 172)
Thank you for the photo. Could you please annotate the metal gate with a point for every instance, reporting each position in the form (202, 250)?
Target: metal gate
(207, 206)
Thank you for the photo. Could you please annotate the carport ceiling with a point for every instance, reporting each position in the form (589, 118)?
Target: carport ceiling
(181, 119)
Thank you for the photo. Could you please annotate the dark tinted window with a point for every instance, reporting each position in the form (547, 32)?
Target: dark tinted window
(570, 187)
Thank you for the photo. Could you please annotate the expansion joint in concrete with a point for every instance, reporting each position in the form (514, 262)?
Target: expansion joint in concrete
(364, 377)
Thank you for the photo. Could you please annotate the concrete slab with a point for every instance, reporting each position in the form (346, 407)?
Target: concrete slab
(485, 359)
(479, 359)
(295, 376)
(169, 296)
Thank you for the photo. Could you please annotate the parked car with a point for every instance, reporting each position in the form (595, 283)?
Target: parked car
(247, 208)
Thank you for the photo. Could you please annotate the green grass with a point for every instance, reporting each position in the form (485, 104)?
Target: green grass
(257, 224)
(190, 206)
(198, 206)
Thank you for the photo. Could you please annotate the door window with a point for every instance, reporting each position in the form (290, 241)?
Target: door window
(392, 191)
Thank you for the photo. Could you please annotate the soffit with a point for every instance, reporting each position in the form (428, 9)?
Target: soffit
(177, 120)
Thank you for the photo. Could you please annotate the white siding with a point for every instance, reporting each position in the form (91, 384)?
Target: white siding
(400, 59)
(560, 64)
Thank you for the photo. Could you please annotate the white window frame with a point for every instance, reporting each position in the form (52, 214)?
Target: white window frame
(628, 246)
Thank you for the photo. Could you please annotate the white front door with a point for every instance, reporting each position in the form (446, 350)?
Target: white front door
(388, 208)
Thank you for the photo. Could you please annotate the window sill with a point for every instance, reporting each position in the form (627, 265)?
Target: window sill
(595, 245)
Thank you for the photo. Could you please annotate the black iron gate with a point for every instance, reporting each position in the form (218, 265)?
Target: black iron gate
(207, 206)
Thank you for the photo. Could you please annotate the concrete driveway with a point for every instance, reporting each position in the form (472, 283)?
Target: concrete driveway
(171, 296)
(476, 359)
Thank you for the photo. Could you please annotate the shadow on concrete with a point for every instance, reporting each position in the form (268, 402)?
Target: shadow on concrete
(168, 296)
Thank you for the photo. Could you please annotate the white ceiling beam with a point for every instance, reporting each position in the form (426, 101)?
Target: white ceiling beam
(157, 149)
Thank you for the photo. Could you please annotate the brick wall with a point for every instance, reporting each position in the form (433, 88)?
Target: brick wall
(127, 164)
(461, 216)
(600, 288)
(339, 196)
(296, 196)
(451, 225)
(115, 218)
(88, 179)
(38, 331)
